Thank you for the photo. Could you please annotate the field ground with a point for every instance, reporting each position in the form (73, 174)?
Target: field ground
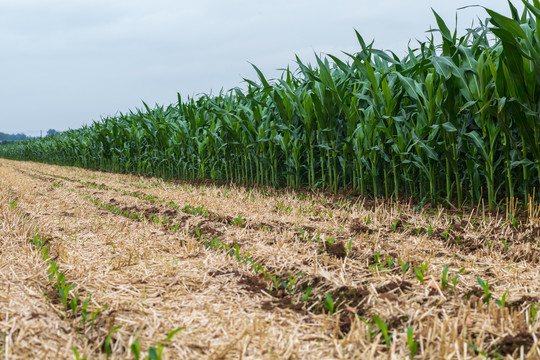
(110, 264)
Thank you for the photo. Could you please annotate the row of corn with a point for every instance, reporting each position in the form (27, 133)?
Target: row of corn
(456, 120)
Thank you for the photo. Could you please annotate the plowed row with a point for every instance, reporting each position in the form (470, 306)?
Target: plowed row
(253, 273)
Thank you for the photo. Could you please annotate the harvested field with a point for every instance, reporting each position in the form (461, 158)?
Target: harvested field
(108, 265)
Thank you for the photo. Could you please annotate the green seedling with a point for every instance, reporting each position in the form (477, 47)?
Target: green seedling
(237, 252)
(157, 353)
(76, 353)
(74, 303)
(367, 219)
(489, 243)
(107, 345)
(377, 258)
(369, 326)
(513, 221)
(455, 279)
(395, 224)
(502, 302)
(389, 262)
(485, 286)
(430, 231)
(381, 324)
(84, 309)
(478, 351)
(444, 277)
(331, 240)
(404, 266)
(306, 295)
(136, 349)
(277, 281)
(239, 221)
(53, 269)
(349, 246)
(329, 304)
(413, 345)
(506, 244)
(421, 271)
(96, 313)
(534, 311)
(257, 268)
(447, 232)
(13, 203)
(292, 280)
(198, 232)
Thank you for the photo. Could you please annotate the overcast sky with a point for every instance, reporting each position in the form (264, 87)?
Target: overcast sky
(65, 63)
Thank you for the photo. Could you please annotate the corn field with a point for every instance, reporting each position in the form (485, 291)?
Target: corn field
(457, 120)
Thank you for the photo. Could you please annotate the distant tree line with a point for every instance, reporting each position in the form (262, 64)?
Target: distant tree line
(11, 138)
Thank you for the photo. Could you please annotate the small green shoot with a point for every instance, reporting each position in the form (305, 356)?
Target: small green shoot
(502, 302)
(413, 345)
(534, 311)
(76, 354)
(444, 278)
(381, 324)
(485, 286)
(107, 348)
(404, 266)
(305, 298)
(329, 304)
(239, 221)
(455, 279)
(420, 272)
